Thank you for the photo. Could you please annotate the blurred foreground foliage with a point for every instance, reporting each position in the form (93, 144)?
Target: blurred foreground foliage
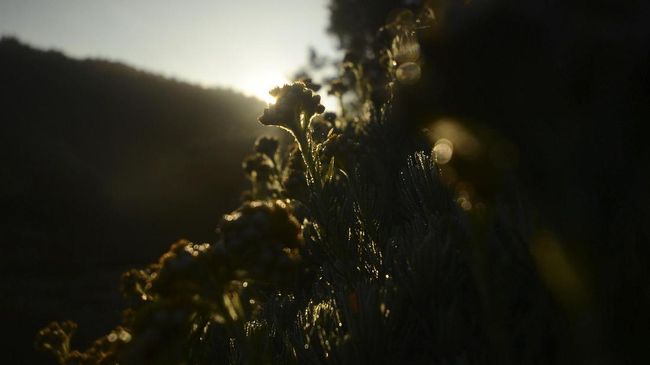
(370, 240)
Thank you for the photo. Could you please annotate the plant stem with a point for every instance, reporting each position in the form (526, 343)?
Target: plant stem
(308, 157)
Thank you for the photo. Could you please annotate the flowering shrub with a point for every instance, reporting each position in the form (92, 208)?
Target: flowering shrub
(348, 248)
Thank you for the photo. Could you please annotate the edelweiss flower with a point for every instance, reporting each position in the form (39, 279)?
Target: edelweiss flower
(295, 106)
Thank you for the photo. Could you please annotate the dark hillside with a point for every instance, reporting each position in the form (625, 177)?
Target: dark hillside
(103, 166)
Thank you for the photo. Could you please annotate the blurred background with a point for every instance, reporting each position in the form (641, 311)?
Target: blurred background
(123, 125)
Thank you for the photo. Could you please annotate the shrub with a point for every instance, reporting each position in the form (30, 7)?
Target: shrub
(352, 245)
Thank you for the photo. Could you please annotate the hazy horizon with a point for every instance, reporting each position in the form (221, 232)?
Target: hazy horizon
(184, 41)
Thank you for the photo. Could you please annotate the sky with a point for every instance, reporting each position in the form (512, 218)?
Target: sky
(247, 45)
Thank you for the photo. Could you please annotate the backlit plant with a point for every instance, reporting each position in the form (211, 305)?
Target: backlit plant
(347, 249)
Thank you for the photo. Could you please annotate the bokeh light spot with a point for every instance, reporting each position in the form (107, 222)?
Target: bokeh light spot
(443, 150)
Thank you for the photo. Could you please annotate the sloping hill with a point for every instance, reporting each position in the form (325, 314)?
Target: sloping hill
(103, 166)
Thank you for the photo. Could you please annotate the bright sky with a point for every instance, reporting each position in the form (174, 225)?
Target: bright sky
(249, 45)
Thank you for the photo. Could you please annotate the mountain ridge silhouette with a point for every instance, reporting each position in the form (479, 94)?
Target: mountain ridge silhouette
(104, 167)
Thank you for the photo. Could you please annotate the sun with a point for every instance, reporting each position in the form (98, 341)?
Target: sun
(263, 82)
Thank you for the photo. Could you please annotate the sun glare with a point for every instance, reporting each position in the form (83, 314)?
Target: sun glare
(265, 82)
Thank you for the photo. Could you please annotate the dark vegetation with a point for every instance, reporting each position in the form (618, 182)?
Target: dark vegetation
(566, 83)
(102, 166)
(558, 96)
(362, 243)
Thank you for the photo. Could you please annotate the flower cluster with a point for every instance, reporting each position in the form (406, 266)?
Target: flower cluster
(263, 170)
(338, 88)
(103, 351)
(340, 145)
(159, 333)
(259, 247)
(182, 270)
(295, 105)
(295, 180)
(267, 146)
(258, 166)
(310, 84)
(263, 240)
(56, 337)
